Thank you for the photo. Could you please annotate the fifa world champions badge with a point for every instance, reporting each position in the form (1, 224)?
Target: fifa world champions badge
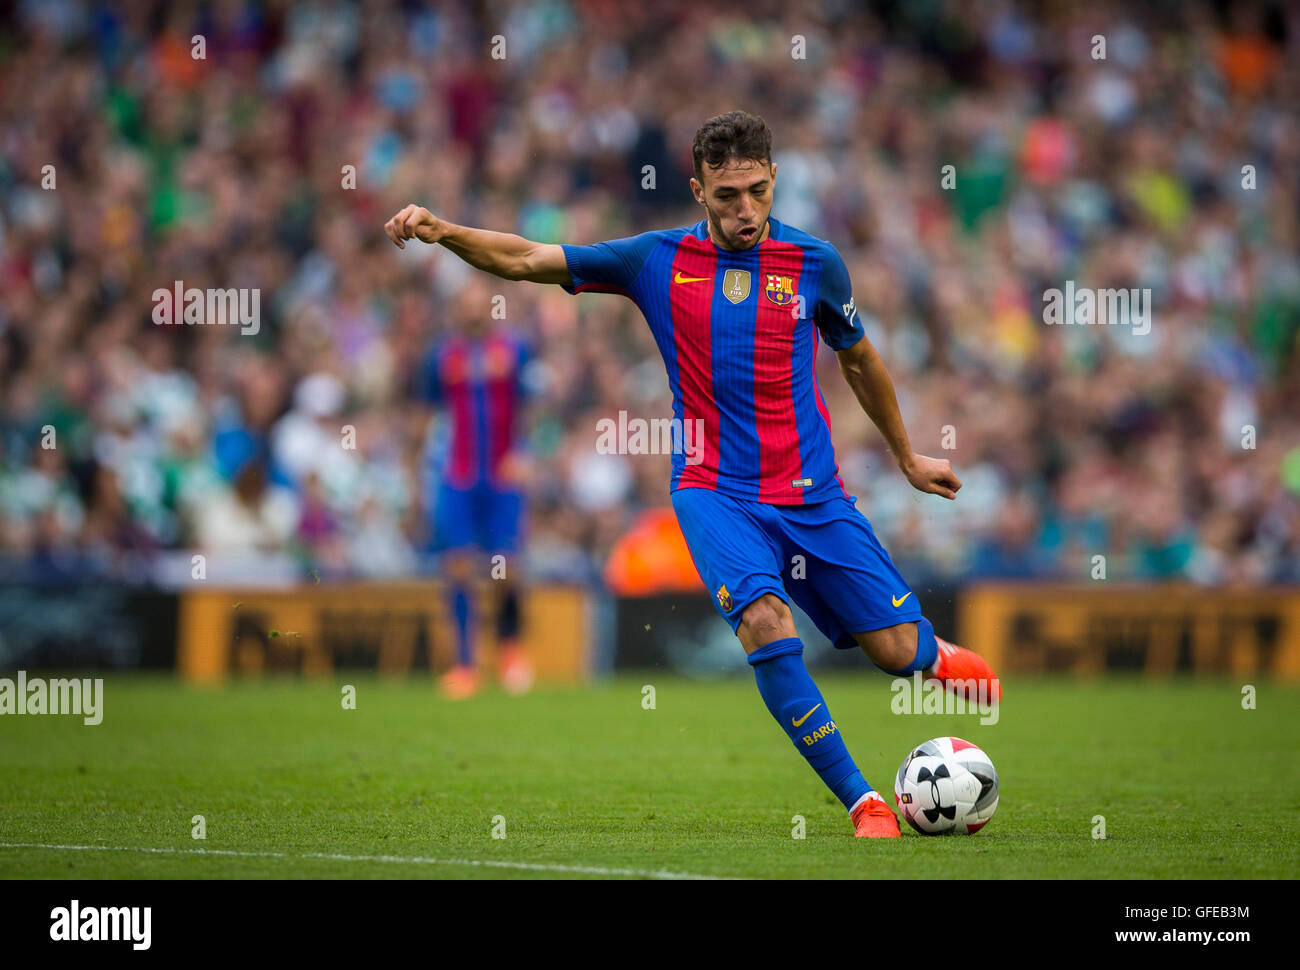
(735, 285)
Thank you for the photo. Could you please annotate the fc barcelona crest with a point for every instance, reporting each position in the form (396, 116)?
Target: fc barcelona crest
(780, 289)
(735, 285)
(724, 598)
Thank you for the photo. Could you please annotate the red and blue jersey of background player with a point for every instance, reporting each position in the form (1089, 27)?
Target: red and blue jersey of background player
(479, 385)
(738, 331)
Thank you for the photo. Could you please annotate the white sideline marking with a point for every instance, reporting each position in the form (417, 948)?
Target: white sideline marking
(413, 860)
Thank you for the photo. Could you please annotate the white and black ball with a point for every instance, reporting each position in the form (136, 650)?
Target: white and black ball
(946, 786)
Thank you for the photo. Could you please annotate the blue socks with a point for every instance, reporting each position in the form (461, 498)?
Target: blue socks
(460, 609)
(796, 703)
(927, 651)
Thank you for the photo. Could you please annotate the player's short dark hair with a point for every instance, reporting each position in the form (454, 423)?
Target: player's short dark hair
(736, 134)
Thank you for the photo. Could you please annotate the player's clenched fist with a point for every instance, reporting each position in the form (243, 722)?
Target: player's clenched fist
(414, 222)
(932, 475)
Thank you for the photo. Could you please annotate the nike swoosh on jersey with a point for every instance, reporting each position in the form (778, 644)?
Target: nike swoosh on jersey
(898, 601)
(679, 278)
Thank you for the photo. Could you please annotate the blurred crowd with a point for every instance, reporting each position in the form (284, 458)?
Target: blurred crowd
(1171, 162)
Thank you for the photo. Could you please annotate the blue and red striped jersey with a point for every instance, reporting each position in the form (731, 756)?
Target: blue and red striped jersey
(738, 332)
(479, 383)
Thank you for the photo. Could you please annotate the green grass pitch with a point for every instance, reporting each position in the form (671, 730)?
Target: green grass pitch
(591, 784)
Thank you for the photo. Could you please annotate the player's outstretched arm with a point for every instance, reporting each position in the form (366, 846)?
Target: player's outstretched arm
(502, 254)
(866, 374)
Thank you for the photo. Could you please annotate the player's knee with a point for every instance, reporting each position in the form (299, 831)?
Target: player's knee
(766, 619)
(892, 648)
(458, 567)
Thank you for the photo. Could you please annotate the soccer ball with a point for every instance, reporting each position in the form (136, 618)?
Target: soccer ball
(946, 786)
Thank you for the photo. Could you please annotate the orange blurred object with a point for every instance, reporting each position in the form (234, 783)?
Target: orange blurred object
(1048, 152)
(1249, 63)
(652, 558)
(175, 62)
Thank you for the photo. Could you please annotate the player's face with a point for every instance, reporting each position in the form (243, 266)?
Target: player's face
(738, 198)
(473, 308)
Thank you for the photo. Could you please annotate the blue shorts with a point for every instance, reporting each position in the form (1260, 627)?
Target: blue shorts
(825, 557)
(478, 517)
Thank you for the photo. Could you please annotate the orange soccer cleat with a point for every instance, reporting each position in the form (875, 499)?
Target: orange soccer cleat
(459, 683)
(873, 819)
(516, 672)
(966, 673)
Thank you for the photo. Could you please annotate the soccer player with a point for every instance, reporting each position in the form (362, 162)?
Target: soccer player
(475, 375)
(737, 304)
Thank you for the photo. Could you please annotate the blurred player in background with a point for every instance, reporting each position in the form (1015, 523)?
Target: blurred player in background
(736, 304)
(474, 375)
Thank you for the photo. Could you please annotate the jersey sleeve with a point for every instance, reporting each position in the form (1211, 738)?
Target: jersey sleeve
(836, 312)
(608, 267)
